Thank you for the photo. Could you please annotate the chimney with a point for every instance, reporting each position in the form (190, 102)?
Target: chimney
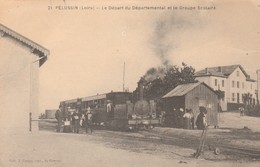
(141, 89)
(219, 69)
(206, 70)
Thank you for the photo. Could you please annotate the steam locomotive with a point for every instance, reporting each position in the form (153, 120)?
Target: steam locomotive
(117, 110)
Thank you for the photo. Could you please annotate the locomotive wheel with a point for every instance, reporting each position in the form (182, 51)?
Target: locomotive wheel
(217, 151)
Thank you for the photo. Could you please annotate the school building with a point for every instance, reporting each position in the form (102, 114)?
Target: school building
(234, 81)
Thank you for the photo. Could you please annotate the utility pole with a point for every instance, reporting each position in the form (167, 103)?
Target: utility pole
(258, 82)
(124, 77)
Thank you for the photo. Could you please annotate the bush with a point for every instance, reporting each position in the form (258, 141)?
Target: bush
(253, 110)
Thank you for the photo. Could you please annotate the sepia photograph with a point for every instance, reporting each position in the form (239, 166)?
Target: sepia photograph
(129, 83)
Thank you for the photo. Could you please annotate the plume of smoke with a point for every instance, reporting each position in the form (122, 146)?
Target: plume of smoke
(167, 33)
(154, 73)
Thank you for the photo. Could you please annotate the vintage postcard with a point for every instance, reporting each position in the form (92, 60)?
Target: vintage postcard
(111, 83)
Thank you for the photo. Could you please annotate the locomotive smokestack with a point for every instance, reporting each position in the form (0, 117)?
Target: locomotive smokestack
(141, 88)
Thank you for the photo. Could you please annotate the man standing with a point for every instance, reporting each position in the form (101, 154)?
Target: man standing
(201, 121)
(58, 116)
(202, 125)
(76, 121)
(110, 110)
(89, 120)
(241, 109)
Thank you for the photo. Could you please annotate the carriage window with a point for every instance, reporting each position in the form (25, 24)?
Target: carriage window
(122, 98)
(102, 102)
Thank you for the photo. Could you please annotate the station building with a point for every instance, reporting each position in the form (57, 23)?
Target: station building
(20, 61)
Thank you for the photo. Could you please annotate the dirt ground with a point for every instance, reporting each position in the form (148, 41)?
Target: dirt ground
(237, 137)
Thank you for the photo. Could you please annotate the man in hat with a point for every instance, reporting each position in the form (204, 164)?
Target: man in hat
(58, 116)
(76, 121)
(89, 117)
(241, 109)
(109, 109)
(201, 121)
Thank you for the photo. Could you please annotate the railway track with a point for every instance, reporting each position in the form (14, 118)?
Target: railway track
(229, 148)
(185, 142)
(190, 142)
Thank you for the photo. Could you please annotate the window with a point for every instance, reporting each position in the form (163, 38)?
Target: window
(233, 96)
(233, 84)
(216, 82)
(237, 84)
(238, 99)
(251, 86)
(237, 73)
(243, 85)
(223, 83)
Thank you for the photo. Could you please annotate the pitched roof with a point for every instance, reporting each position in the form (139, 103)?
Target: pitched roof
(181, 90)
(38, 49)
(221, 71)
(95, 97)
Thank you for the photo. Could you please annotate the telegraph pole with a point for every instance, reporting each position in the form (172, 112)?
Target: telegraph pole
(258, 82)
(124, 77)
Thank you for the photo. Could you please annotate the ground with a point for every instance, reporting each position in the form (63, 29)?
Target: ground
(237, 137)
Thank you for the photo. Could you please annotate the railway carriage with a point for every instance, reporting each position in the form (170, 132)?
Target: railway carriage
(124, 112)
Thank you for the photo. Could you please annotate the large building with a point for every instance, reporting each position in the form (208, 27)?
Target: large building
(20, 60)
(233, 80)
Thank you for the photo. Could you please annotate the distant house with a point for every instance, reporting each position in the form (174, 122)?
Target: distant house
(233, 81)
(192, 96)
(19, 79)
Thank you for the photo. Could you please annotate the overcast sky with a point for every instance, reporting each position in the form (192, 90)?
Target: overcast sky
(89, 47)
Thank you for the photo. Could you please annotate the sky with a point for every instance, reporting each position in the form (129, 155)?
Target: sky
(89, 47)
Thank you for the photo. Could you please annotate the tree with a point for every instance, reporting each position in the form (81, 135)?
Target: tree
(175, 76)
(247, 98)
(161, 80)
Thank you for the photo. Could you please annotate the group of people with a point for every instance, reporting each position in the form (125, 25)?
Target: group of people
(73, 120)
(183, 119)
(186, 120)
(189, 119)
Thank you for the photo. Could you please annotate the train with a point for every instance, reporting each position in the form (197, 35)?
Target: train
(117, 110)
